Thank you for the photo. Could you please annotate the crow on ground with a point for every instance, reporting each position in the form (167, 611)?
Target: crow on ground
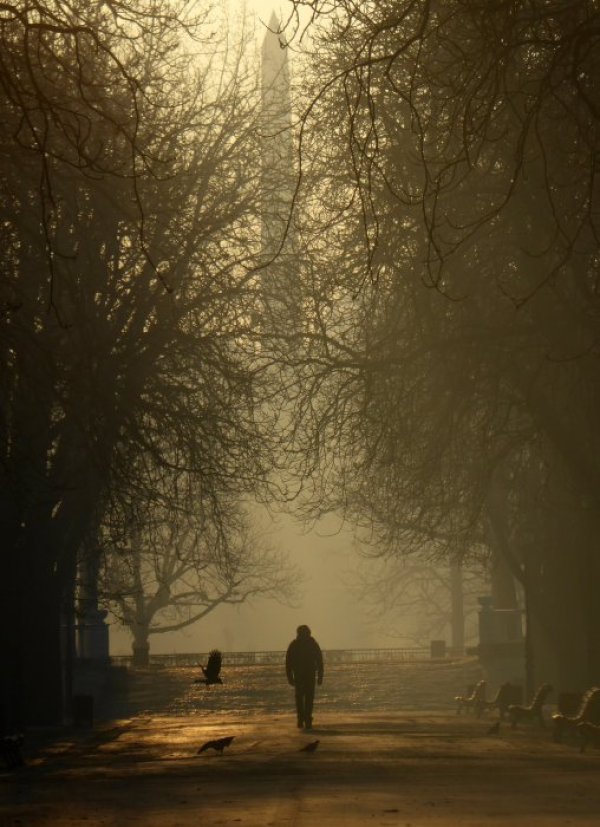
(310, 747)
(218, 744)
(212, 669)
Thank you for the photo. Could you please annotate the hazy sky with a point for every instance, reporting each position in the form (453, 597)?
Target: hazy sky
(262, 8)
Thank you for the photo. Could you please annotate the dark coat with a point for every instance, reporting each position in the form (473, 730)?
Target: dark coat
(303, 660)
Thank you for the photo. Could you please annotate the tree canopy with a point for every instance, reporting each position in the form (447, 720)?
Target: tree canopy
(451, 348)
(130, 185)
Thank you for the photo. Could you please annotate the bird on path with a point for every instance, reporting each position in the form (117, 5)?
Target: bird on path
(494, 729)
(309, 747)
(218, 744)
(212, 669)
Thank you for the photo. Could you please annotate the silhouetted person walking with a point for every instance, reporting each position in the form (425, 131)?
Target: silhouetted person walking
(304, 663)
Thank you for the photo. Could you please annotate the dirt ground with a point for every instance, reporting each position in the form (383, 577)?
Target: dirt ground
(409, 767)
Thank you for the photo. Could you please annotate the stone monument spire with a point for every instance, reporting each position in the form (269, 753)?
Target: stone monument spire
(278, 178)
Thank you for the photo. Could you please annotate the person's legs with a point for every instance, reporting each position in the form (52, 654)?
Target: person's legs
(309, 697)
(300, 709)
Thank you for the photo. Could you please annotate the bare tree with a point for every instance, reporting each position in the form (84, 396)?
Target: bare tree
(176, 569)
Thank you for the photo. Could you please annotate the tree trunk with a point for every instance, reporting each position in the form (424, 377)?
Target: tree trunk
(34, 681)
(590, 572)
(504, 594)
(141, 645)
(11, 705)
(457, 608)
(558, 603)
(43, 677)
(33, 684)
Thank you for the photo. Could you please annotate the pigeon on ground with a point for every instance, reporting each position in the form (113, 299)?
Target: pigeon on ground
(494, 729)
(310, 747)
(212, 669)
(218, 744)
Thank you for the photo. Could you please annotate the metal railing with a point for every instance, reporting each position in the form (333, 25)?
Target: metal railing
(331, 656)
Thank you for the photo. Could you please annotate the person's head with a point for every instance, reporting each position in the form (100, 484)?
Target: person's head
(303, 630)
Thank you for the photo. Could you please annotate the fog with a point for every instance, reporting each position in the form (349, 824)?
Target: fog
(261, 8)
(346, 267)
(327, 556)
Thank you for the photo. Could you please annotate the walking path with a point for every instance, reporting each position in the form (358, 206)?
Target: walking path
(421, 769)
(405, 767)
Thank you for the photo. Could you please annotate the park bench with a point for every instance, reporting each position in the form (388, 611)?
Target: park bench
(473, 699)
(587, 713)
(533, 711)
(507, 694)
(10, 750)
(588, 734)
